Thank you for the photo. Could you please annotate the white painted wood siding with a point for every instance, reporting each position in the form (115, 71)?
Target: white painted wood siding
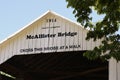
(15, 45)
(48, 24)
(114, 70)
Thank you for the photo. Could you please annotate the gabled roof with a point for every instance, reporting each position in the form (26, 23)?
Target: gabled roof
(48, 12)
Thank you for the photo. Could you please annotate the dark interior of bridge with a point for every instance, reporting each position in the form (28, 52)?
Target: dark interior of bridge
(54, 66)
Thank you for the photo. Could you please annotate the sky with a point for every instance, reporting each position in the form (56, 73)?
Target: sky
(15, 14)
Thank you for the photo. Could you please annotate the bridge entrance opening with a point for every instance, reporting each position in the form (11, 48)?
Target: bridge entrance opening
(54, 66)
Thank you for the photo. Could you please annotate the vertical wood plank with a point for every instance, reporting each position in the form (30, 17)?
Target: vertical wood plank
(80, 38)
(112, 69)
(76, 38)
(6, 49)
(2, 54)
(118, 71)
(37, 48)
(55, 31)
(34, 41)
(57, 40)
(23, 43)
(61, 40)
(84, 40)
(19, 50)
(15, 46)
(67, 38)
(71, 38)
(44, 30)
(51, 31)
(89, 43)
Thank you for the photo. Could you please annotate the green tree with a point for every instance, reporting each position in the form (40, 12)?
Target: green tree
(106, 28)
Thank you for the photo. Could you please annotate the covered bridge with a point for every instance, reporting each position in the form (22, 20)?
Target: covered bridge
(51, 48)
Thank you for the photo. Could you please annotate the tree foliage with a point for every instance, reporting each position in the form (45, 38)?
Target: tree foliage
(105, 29)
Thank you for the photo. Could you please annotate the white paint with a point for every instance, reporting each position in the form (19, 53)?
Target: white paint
(114, 70)
(17, 44)
(48, 24)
